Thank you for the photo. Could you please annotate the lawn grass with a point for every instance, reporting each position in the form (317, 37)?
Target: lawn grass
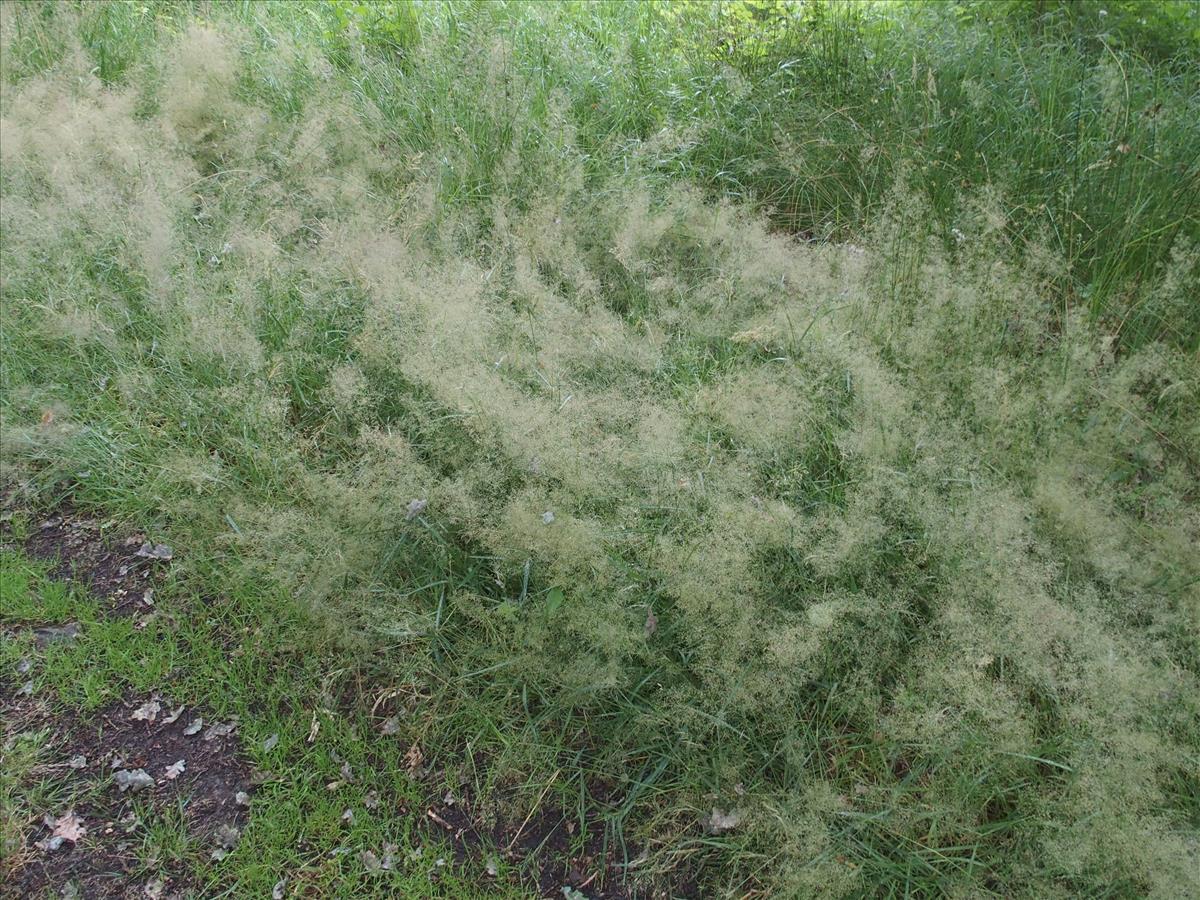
(239, 658)
(689, 410)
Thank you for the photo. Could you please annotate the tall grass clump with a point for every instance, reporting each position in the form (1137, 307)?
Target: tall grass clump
(790, 415)
(1090, 138)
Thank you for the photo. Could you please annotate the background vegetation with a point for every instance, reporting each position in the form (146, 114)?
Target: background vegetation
(804, 398)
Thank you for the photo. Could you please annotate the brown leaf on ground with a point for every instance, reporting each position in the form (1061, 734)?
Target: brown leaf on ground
(67, 827)
(413, 759)
(218, 730)
(155, 551)
(147, 712)
(719, 822)
(132, 780)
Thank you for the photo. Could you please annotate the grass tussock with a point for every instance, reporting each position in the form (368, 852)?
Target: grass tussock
(879, 541)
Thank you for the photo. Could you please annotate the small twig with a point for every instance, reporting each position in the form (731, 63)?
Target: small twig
(532, 810)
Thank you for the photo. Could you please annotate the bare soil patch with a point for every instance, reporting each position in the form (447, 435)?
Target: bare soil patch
(545, 838)
(87, 760)
(119, 571)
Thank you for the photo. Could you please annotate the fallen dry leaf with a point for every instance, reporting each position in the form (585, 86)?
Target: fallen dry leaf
(193, 727)
(719, 822)
(277, 892)
(173, 717)
(56, 634)
(217, 730)
(67, 827)
(174, 770)
(155, 551)
(147, 712)
(227, 838)
(269, 744)
(132, 780)
(413, 759)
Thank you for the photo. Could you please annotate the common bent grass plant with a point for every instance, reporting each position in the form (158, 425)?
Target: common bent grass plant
(704, 408)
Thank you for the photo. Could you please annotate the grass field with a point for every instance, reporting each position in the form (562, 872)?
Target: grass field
(768, 433)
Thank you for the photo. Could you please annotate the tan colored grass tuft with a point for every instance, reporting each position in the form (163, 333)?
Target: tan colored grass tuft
(889, 468)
